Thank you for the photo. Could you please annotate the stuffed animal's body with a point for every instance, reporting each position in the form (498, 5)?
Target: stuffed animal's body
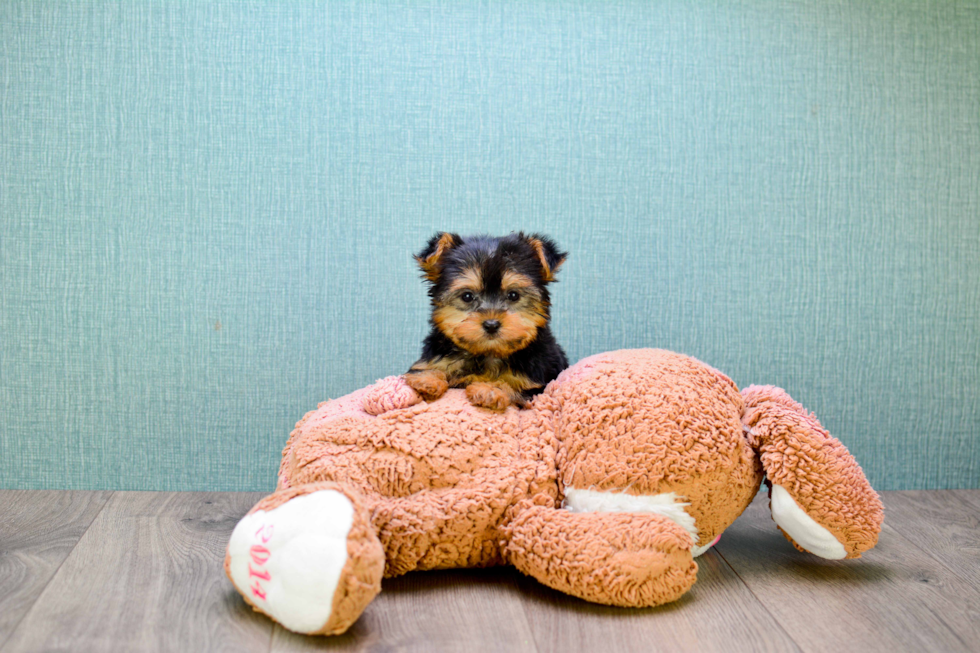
(624, 469)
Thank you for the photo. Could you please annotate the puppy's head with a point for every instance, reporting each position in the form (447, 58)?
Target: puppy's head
(489, 295)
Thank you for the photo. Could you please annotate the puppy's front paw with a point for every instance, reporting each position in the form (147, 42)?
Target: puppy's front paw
(489, 396)
(431, 384)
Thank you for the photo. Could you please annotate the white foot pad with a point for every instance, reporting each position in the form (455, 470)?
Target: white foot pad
(288, 561)
(698, 551)
(802, 528)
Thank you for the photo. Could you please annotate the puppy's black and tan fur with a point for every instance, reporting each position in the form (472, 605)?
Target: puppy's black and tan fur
(490, 313)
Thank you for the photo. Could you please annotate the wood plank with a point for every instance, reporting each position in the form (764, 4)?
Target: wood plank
(478, 610)
(38, 529)
(943, 524)
(895, 598)
(147, 575)
(971, 497)
(718, 614)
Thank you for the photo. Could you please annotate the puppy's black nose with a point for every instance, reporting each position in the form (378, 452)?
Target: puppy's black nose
(491, 326)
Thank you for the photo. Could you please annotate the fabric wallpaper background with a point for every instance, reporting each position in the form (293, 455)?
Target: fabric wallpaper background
(208, 212)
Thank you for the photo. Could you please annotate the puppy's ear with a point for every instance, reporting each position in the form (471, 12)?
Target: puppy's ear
(429, 258)
(548, 255)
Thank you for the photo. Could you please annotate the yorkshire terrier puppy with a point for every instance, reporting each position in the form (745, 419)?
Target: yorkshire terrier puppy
(490, 313)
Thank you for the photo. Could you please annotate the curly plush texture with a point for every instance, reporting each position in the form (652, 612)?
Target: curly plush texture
(648, 422)
(390, 393)
(815, 468)
(438, 478)
(658, 452)
(612, 558)
(361, 574)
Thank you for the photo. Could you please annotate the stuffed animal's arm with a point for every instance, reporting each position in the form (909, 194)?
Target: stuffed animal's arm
(389, 393)
(614, 558)
(445, 527)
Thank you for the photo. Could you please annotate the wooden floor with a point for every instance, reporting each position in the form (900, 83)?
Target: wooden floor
(135, 571)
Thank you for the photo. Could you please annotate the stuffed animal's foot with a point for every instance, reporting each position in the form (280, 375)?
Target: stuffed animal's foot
(390, 393)
(820, 498)
(698, 551)
(431, 384)
(801, 528)
(309, 560)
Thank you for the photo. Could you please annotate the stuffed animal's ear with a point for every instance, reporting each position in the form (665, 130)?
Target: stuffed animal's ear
(429, 258)
(548, 254)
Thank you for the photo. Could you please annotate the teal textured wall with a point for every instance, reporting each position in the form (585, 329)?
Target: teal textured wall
(208, 212)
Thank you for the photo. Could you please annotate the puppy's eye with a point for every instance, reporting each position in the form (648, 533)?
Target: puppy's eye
(513, 295)
(467, 297)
